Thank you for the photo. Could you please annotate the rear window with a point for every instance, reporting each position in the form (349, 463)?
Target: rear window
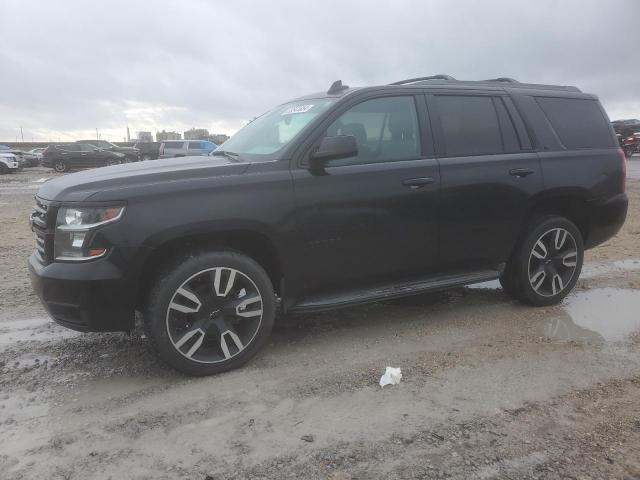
(579, 123)
(469, 125)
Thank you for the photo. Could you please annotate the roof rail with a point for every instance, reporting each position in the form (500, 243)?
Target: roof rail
(337, 87)
(502, 79)
(419, 79)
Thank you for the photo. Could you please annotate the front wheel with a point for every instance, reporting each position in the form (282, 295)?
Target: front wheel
(3, 169)
(210, 312)
(546, 263)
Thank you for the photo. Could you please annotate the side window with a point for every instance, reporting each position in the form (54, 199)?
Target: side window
(579, 123)
(173, 144)
(71, 148)
(469, 125)
(196, 146)
(386, 129)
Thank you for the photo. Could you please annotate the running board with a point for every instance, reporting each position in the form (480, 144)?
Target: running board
(357, 297)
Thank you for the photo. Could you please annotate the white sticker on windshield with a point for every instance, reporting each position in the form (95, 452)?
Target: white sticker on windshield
(297, 109)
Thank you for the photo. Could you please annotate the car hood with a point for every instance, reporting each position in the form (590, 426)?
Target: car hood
(118, 182)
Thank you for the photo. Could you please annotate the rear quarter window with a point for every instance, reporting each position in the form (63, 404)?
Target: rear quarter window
(579, 123)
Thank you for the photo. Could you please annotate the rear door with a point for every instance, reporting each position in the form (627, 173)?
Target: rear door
(195, 148)
(369, 219)
(489, 171)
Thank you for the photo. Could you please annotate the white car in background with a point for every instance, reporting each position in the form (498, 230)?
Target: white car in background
(8, 163)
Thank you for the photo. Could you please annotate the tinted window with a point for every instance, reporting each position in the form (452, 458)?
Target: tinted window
(71, 148)
(173, 144)
(87, 148)
(469, 125)
(510, 141)
(579, 123)
(385, 129)
(196, 146)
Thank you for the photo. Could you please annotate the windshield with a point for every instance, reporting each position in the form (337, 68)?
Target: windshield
(265, 136)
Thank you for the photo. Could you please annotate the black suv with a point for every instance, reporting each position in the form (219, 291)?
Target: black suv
(334, 199)
(132, 154)
(63, 158)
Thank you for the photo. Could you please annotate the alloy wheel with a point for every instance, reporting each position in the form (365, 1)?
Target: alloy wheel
(552, 262)
(60, 167)
(214, 315)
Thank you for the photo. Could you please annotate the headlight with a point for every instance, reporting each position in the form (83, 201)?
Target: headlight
(74, 226)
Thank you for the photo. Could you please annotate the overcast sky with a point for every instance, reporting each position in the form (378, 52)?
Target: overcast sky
(69, 67)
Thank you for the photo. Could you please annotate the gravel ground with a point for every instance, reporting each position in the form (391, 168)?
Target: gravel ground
(490, 388)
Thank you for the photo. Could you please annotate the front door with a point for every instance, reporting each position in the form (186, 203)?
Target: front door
(489, 172)
(371, 219)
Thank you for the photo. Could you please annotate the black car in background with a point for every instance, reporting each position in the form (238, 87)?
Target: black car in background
(63, 158)
(132, 153)
(148, 150)
(338, 198)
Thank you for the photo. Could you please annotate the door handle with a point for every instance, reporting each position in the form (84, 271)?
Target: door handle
(521, 172)
(417, 182)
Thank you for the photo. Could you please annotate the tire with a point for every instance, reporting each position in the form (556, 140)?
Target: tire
(3, 169)
(60, 166)
(115, 161)
(546, 263)
(146, 157)
(209, 312)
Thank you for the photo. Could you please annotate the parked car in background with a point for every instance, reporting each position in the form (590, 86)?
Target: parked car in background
(8, 162)
(331, 200)
(63, 158)
(26, 159)
(148, 150)
(629, 135)
(184, 148)
(132, 154)
(37, 152)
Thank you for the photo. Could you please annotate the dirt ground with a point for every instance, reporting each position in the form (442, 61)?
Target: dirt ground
(490, 388)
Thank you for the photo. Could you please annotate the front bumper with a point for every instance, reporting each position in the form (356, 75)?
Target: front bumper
(87, 297)
(607, 218)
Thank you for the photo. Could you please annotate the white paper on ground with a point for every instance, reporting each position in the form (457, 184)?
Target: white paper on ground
(392, 376)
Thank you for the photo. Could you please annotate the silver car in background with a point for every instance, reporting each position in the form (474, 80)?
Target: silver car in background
(185, 148)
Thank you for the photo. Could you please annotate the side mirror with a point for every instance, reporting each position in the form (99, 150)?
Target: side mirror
(333, 148)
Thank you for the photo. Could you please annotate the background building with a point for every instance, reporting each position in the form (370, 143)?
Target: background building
(145, 137)
(197, 134)
(164, 135)
(218, 138)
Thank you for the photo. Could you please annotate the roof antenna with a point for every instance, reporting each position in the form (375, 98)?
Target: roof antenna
(337, 87)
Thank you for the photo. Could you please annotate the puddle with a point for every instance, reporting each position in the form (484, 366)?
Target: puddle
(490, 285)
(596, 316)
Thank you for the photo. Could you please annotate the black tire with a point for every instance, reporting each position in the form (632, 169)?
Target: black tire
(3, 169)
(146, 157)
(540, 280)
(113, 161)
(60, 166)
(210, 352)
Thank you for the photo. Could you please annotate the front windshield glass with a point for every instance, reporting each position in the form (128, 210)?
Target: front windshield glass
(265, 136)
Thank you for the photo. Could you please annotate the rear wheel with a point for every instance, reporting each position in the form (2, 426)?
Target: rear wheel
(210, 312)
(60, 166)
(546, 263)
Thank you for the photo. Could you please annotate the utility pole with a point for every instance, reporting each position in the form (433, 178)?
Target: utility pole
(21, 134)
(97, 136)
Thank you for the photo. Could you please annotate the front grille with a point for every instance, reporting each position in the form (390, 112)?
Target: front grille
(43, 233)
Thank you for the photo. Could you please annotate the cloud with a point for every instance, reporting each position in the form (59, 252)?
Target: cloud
(69, 67)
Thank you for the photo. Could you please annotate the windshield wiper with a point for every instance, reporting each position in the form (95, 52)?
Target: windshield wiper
(233, 156)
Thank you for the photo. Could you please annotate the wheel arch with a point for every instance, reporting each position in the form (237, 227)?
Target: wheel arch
(254, 243)
(573, 204)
